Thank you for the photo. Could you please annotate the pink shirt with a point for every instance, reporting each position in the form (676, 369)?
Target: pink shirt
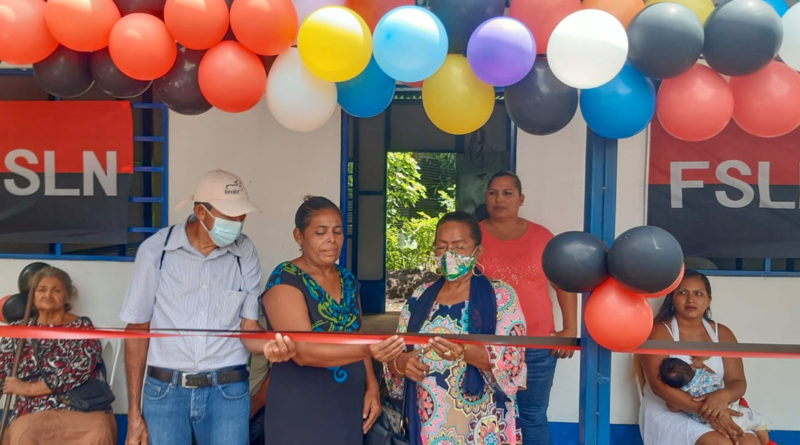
(518, 262)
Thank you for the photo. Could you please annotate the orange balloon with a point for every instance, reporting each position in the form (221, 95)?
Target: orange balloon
(81, 25)
(141, 47)
(765, 103)
(696, 105)
(542, 16)
(196, 24)
(24, 37)
(617, 318)
(231, 78)
(265, 27)
(372, 10)
(623, 10)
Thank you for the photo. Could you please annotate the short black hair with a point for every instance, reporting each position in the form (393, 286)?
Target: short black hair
(675, 372)
(311, 205)
(507, 173)
(464, 218)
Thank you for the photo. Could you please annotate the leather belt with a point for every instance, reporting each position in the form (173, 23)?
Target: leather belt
(202, 379)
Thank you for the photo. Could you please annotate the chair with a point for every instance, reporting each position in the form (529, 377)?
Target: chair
(111, 351)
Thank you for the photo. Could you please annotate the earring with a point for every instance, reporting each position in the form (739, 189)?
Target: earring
(478, 268)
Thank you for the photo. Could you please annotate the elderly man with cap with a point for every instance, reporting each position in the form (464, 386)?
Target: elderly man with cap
(203, 274)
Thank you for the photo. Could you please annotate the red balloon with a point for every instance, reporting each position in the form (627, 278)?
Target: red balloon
(265, 27)
(24, 37)
(232, 78)
(669, 288)
(695, 105)
(766, 102)
(542, 16)
(81, 25)
(617, 318)
(196, 24)
(141, 47)
(372, 10)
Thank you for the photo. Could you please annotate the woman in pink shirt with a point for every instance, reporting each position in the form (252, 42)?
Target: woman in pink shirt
(513, 254)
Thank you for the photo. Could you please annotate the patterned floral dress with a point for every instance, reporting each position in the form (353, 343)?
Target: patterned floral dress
(307, 404)
(449, 417)
(60, 364)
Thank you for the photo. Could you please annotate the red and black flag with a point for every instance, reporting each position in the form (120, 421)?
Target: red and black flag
(733, 196)
(65, 171)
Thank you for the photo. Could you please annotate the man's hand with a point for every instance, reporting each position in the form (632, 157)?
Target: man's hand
(137, 430)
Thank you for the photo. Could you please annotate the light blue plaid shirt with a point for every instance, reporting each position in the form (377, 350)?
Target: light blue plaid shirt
(702, 383)
(192, 291)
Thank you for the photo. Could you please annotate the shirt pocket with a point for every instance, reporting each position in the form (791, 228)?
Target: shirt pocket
(226, 308)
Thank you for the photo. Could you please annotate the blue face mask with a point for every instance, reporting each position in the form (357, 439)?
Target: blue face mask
(224, 232)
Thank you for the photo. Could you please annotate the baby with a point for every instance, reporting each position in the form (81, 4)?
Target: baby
(699, 380)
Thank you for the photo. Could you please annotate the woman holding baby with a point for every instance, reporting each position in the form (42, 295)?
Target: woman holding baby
(685, 315)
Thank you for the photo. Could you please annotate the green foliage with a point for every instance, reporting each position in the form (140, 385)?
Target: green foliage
(409, 233)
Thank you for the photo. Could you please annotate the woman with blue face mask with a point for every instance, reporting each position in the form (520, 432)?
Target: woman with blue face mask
(454, 392)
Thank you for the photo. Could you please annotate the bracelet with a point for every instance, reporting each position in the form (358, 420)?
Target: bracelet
(463, 352)
(394, 365)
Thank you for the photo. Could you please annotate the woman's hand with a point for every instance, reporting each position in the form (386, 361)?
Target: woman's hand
(280, 349)
(388, 349)
(446, 348)
(372, 405)
(714, 405)
(565, 333)
(727, 427)
(16, 386)
(409, 365)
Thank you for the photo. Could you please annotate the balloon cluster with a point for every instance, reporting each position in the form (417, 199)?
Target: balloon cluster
(643, 262)
(309, 56)
(12, 307)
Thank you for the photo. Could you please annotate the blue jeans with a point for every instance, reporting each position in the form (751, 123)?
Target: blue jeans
(216, 414)
(533, 401)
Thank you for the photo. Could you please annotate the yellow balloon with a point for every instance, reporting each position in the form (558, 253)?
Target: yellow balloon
(700, 8)
(454, 99)
(334, 43)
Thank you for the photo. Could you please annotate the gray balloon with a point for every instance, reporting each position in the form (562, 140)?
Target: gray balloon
(179, 89)
(64, 73)
(540, 103)
(664, 40)
(742, 36)
(113, 81)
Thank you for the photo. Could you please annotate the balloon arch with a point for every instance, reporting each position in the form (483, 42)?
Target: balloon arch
(737, 60)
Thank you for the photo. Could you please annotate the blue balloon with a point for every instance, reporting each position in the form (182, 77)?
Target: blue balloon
(779, 6)
(409, 43)
(620, 108)
(367, 94)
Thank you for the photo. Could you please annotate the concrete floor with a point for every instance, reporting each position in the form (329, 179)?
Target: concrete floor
(380, 323)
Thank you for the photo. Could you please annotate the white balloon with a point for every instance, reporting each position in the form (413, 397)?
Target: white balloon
(587, 49)
(790, 48)
(297, 99)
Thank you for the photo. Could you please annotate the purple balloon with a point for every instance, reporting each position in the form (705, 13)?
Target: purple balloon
(501, 51)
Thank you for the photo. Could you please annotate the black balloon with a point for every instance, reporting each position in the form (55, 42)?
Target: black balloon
(25, 275)
(64, 73)
(645, 259)
(461, 17)
(664, 40)
(575, 261)
(14, 308)
(179, 89)
(113, 81)
(153, 7)
(540, 103)
(742, 36)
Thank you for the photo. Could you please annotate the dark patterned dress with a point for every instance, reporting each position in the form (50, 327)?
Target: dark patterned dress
(60, 364)
(307, 404)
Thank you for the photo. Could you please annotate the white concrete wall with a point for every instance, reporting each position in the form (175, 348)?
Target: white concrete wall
(279, 167)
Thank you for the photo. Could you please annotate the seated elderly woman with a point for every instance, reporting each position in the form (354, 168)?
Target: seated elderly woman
(48, 369)
(456, 393)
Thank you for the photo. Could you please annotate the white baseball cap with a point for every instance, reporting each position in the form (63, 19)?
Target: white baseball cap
(225, 192)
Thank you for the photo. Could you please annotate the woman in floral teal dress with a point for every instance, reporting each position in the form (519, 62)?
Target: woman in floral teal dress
(460, 394)
(327, 394)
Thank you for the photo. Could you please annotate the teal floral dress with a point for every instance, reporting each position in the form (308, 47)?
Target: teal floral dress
(310, 405)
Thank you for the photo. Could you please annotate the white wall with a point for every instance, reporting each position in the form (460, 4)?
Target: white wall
(279, 167)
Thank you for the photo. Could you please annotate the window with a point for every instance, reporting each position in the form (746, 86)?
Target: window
(147, 211)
